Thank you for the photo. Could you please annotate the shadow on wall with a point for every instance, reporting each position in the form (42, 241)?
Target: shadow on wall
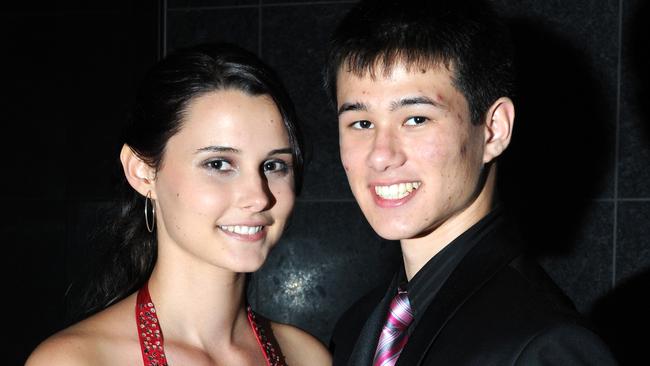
(638, 54)
(561, 155)
(563, 140)
(623, 315)
(623, 320)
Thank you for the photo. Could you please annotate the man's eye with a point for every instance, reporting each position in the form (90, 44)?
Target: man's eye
(275, 166)
(362, 125)
(219, 165)
(414, 121)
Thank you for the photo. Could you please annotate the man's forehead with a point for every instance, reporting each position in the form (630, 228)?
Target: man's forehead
(397, 84)
(385, 66)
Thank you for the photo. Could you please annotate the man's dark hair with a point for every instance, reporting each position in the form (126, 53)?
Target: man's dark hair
(466, 36)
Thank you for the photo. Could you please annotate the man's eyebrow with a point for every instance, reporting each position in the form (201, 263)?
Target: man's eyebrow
(218, 149)
(357, 106)
(414, 101)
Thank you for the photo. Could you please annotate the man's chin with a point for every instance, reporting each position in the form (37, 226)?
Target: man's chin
(393, 233)
(390, 231)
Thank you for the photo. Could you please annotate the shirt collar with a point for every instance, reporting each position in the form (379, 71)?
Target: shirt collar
(426, 283)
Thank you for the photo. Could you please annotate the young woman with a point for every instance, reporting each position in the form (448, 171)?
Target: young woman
(214, 160)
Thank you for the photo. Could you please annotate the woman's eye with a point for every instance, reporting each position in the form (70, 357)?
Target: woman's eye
(219, 165)
(414, 121)
(362, 125)
(275, 166)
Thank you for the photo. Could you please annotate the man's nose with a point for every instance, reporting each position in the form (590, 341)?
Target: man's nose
(386, 151)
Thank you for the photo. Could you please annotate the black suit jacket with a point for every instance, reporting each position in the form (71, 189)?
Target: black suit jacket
(496, 308)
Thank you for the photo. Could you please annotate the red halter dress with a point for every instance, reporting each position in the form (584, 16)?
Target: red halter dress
(151, 336)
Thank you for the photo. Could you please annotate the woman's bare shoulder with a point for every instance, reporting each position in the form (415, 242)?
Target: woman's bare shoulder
(71, 346)
(93, 341)
(300, 347)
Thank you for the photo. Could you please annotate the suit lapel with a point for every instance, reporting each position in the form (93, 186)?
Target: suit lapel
(364, 349)
(493, 251)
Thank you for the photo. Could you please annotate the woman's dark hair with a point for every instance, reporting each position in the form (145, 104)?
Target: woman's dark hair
(157, 115)
(464, 34)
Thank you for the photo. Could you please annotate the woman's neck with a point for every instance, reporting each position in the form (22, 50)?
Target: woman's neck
(198, 303)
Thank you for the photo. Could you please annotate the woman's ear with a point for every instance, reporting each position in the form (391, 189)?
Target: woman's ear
(498, 128)
(138, 173)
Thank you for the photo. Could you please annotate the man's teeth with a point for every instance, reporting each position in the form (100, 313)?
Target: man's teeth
(396, 191)
(240, 229)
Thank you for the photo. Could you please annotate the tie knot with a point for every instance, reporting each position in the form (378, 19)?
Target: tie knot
(400, 314)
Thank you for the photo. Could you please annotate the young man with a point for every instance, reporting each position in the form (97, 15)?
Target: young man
(421, 89)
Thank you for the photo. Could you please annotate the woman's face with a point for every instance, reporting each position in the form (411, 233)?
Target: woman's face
(225, 188)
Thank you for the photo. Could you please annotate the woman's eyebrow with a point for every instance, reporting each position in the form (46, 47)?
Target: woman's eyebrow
(218, 149)
(228, 149)
(285, 150)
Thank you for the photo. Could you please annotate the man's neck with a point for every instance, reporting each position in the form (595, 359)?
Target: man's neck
(417, 252)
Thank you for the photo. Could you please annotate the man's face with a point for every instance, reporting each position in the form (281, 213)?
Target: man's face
(411, 154)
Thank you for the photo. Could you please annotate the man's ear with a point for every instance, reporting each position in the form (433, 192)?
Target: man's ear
(498, 128)
(138, 173)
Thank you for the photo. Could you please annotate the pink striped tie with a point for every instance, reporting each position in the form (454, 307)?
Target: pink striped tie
(393, 335)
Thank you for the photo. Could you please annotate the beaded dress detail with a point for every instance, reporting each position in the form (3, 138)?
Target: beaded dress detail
(152, 341)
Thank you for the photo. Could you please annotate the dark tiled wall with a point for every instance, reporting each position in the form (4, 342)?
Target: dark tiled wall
(69, 72)
(577, 172)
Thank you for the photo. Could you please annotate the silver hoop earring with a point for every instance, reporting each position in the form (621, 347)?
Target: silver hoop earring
(152, 225)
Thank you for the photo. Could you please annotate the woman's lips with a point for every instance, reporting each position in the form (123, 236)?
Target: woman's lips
(245, 232)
